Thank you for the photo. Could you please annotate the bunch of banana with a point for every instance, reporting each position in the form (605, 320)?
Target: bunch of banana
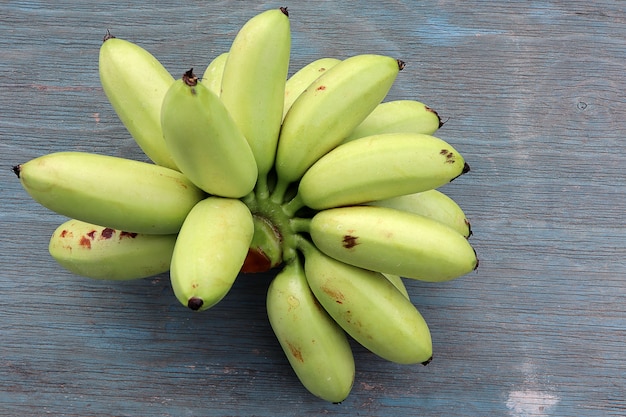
(313, 175)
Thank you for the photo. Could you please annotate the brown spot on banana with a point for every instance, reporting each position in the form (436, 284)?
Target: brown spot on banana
(295, 352)
(350, 241)
(334, 294)
(85, 242)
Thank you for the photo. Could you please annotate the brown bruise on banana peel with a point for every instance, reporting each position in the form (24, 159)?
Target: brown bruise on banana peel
(334, 294)
(86, 239)
(449, 156)
(85, 242)
(350, 241)
(295, 352)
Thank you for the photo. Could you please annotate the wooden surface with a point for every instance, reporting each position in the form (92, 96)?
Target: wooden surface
(533, 96)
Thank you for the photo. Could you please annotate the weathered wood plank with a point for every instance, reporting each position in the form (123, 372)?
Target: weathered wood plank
(533, 97)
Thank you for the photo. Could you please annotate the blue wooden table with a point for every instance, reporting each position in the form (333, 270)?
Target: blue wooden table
(533, 96)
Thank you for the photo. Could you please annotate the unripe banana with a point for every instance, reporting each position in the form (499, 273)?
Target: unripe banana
(113, 192)
(302, 78)
(210, 250)
(369, 308)
(212, 77)
(135, 83)
(394, 242)
(397, 282)
(433, 204)
(315, 345)
(204, 140)
(253, 83)
(378, 167)
(398, 116)
(328, 110)
(100, 252)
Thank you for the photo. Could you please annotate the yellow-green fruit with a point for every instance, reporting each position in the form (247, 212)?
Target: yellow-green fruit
(369, 308)
(397, 282)
(433, 204)
(210, 251)
(378, 167)
(253, 82)
(135, 83)
(212, 77)
(204, 140)
(315, 345)
(303, 78)
(394, 242)
(100, 252)
(329, 109)
(398, 116)
(113, 192)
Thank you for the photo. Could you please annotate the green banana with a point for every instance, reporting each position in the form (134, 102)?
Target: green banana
(394, 242)
(328, 110)
(100, 252)
(135, 83)
(431, 203)
(369, 308)
(204, 140)
(210, 251)
(397, 282)
(113, 192)
(397, 116)
(253, 84)
(378, 167)
(300, 80)
(212, 77)
(317, 348)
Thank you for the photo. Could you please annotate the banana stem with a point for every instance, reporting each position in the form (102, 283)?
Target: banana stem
(300, 225)
(291, 207)
(261, 188)
(278, 195)
(304, 245)
(249, 200)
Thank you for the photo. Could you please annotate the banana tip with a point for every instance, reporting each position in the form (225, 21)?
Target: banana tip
(284, 10)
(190, 78)
(477, 260)
(195, 303)
(470, 232)
(107, 36)
(17, 169)
(427, 361)
(433, 111)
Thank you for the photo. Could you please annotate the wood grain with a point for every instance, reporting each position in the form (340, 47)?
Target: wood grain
(532, 95)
